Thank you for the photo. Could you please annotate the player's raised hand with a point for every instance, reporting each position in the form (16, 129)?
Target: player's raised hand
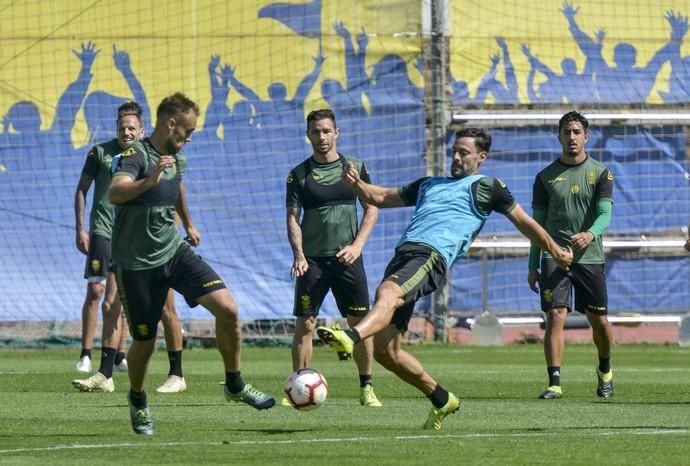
(165, 162)
(350, 174)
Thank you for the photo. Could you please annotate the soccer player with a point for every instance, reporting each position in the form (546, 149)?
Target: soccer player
(572, 199)
(327, 246)
(98, 168)
(150, 257)
(449, 213)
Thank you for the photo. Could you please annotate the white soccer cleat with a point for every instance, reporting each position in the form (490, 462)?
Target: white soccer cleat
(96, 383)
(174, 384)
(122, 367)
(84, 365)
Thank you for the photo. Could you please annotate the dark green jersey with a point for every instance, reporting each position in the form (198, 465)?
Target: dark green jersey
(144, 233)
(98, 166)
(329, 218)
(569, 195)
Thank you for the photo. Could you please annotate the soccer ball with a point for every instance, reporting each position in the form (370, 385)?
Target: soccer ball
(306, 389)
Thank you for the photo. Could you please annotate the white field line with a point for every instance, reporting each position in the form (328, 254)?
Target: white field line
(395, 438)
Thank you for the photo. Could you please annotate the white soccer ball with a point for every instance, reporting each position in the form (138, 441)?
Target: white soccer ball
(306, 389)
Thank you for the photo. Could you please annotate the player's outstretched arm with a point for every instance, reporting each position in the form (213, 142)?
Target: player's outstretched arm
(532, 230)
(378, 196)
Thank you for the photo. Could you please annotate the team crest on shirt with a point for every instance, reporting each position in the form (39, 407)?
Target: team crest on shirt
(128, 152)
(96, 265)
(591, 178)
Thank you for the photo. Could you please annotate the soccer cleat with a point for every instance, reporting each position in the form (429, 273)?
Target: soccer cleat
(338, 340)
(437, 415)
(367, 397)
(605, 385)
(122, 367)
(142, 422)
(285, 403)
(173, 384)
(551, 393)
(96, 383)
(84, 365)
(251, 396)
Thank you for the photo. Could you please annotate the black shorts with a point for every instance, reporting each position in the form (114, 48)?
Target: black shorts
(143, 292)
(588, 280)
(347, 283)
(98, 259)
(418, 270)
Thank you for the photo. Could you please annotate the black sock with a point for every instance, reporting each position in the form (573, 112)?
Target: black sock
(119, 357)
(554, 375)
(604, 365)
(85, 352)
(138, 399)
(439, 397)
(354, 335)
(175, 359)
(364, 379)
(107, 361)
(234, 382)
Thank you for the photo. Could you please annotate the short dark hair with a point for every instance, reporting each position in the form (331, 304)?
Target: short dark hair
(129, 108)
(573, 116)
(481, 136)
(175, 105)
(321, 114)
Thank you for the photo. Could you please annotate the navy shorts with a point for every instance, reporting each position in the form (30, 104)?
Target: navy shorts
(143, 292)
(418, 270)
(347, 283)
(587, 280)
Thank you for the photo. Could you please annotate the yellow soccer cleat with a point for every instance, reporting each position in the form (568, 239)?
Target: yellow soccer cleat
(368, 398)
(605, 384)
(338, 340)
(437, 415)
(285, 403)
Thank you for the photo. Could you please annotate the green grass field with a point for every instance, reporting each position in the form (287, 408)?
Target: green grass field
(44, 420)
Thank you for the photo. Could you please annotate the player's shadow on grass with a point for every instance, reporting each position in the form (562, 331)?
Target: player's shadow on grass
(273, 431)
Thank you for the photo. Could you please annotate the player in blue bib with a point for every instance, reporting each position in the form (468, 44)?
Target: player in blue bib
(449, 213)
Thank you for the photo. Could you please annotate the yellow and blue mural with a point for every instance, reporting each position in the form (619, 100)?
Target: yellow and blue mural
(256, 67)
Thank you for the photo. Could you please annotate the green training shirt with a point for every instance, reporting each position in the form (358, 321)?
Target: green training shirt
(569, 195)
(98, 166)
(144, 232)
(329, 210)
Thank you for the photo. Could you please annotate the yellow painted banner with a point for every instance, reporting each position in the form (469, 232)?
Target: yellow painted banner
(168, 46)
(601, 51)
